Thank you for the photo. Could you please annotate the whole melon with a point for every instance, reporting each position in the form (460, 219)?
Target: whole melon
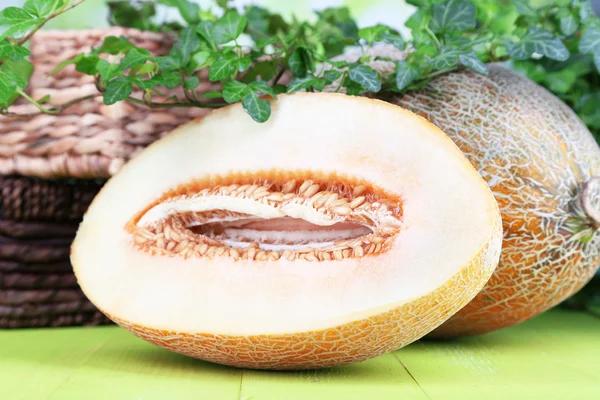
(543, 166)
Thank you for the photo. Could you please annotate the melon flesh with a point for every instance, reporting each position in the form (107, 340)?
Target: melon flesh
(262, 272)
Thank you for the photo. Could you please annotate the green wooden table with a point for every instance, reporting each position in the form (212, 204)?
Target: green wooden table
(554, 356)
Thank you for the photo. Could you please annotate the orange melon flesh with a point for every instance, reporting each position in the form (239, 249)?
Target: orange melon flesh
(271, 289)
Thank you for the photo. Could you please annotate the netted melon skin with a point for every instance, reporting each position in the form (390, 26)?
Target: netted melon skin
(340, 345)
(535, 154)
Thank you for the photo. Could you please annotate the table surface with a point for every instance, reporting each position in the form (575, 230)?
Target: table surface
(553, 356)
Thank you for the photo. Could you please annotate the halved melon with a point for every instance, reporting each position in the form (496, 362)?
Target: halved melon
(341, 229)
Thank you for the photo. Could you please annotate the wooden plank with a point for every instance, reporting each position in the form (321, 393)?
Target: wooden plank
(381, 378)
(554, 356)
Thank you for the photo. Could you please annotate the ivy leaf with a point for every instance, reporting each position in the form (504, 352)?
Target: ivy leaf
(134, 58)
(538, 40)
(42, 8)
(395, 39)
(233, 91)
(168, 63)
(224, 67)
(117, 90)
(405, 74)
(590, 40)
(261, 87)
(257, 108)
(107, 70)
(470, 60)
(373, 33)
(12, 51)
(524, 8)
(213, 94)
(87, 64)
(204, 29)
(170, 79)
(447, 58)
(244, 63)
(453, 15)
(8, 88)
(115, 45)
(191, 82)
(365, 76)
(332, 75)
(15, 22)
(298, 62)
(189, 11)
(187, 44)
(568, 25)
(229, 27)
(299, 83)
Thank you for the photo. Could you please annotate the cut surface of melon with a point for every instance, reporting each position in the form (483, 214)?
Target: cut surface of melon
(340, 229)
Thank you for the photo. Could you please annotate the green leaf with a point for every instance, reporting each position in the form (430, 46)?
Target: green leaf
(266, 70)
(191, 82)
(568, 24)
(395, 39)
(168, 63)
(261, 87)
(170, 79)
(22, 69)
(560, 81)
(224, 67)
(453, 15)
(353, 88)
(187, 44)
(189, 11)
(257, 108)
(201, 59)
(229, 27)
(8, 88)
(524, 8)
(204, 29)
(115, 45)
(298, 83)
(244, 63)
(540, 41)
(419, 20)
(590, 41)
(586, 11)
(470, 60)
(134, 58)
(405, 74)
(42, 8)
(87, 64)
(365, 76)
(297, 62)
(117, 90)
(213, 94)
(107, 70)
(447, 58)
(12, 51)
(233, 91)
(258, 22)
(373, 33)
(64, 63)
(16, 22)
(332, 75)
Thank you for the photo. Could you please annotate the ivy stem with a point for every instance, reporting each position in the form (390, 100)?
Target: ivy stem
(56, 14)
(53, 110)
(435, 39)
(169, 105)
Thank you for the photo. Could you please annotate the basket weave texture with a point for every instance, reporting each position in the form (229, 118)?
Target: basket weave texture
(89, 139)
(52, 166)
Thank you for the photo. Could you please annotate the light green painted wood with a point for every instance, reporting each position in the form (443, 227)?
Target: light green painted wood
(554, 356)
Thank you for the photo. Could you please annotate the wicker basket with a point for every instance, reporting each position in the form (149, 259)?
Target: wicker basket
(52, 166)
(90, 139)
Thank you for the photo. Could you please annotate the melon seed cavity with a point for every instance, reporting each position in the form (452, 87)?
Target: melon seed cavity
(291, 219)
